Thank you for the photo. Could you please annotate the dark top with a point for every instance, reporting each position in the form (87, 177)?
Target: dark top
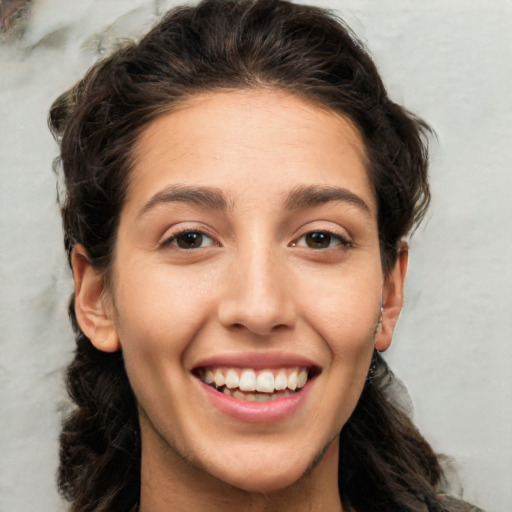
(450, 503)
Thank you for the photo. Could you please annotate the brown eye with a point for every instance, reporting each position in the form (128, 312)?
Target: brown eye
(322, 240)
(319, 240)
(192, 240)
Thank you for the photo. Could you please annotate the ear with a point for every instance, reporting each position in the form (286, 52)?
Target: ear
(93, 308)
(392, 299)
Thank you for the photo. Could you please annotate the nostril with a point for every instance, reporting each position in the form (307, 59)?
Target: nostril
(259, 330)
(253, 312)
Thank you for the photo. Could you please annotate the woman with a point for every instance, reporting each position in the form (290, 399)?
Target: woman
(237, 189)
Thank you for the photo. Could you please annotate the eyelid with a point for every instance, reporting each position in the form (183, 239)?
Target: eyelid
(342, 240)
(337, 232)
(175, 231)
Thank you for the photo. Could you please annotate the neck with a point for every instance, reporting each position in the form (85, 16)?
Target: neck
(169, 482)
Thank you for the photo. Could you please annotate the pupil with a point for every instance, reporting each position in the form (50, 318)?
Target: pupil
(189, 240)
(318, 240)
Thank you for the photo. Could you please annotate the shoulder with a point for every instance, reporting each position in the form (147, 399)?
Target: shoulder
(452, 504)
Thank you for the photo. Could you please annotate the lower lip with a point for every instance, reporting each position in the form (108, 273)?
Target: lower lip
(270, 411)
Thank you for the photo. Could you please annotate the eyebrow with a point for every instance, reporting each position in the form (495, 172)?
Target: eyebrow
(206, 197)
(213, 199)
(308, 196)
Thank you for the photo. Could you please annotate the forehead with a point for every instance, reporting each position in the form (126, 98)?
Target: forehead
(245, 139)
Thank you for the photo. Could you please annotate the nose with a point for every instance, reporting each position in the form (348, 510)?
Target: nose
(257, 294)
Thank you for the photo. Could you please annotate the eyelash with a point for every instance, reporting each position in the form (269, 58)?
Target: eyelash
(342, 241)
(174, 239)
(201, 235)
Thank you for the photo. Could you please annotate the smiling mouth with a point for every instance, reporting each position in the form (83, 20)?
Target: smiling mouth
(256, 385)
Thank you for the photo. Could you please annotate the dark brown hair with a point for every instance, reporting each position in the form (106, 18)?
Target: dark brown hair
(385, 464)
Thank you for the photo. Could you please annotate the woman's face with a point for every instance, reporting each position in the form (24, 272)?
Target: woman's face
(247, 286)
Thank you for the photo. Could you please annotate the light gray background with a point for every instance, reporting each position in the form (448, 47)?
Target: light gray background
(449, 61)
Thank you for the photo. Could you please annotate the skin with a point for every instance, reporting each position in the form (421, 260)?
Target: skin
(253, 285)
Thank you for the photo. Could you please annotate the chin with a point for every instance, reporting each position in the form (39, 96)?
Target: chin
(264, 482)
(266, 474)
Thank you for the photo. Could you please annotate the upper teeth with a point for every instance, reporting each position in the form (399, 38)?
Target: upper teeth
(264, 381)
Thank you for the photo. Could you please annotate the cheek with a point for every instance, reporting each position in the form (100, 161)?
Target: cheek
(158, 314)
(346, 310)
(160, 310)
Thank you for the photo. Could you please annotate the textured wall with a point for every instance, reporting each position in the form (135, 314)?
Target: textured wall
(448, 60)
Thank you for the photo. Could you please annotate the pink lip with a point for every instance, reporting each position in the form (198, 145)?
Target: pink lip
(256, 412)
(257, 361)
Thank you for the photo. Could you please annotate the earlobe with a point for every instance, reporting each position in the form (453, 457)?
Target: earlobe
(94, 311)
(392, 300)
